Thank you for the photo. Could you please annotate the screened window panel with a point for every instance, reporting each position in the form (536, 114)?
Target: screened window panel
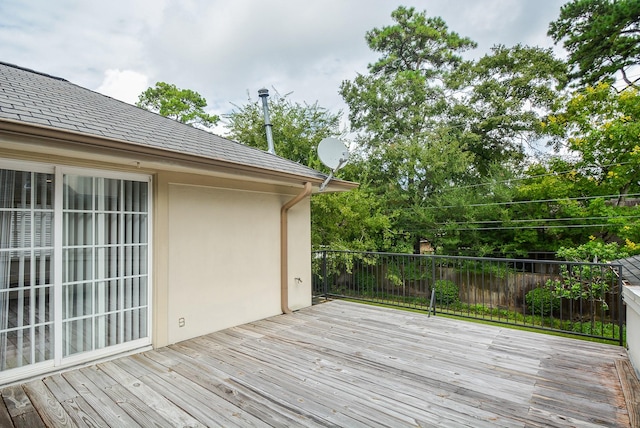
(43, 229)
(16, 189)
(42, 260)
(43, 185)
(136, 196)
(78, 193)
(78, 336)
(106, 261)
(77, 300)
(20, 306)
(77, 264)
(108, 194)
(17, 351)
(78, 228)
(26, 260)
(108, 229)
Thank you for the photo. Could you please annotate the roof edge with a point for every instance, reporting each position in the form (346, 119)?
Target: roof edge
(18, 67)
(69, 136)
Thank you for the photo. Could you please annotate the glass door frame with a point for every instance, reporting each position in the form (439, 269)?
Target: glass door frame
(60, 172)
(56, 271)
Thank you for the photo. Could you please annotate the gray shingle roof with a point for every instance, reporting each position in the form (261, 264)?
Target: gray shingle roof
(631, 271)
(32, 97)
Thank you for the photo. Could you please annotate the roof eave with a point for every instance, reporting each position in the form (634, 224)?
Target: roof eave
(81, 139)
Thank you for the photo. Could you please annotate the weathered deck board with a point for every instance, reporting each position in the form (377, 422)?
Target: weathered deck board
(155, 401)
(108, 410)
(631, 389)
(365, 396)
(20, 408)
(255, 400)
(341, 364)
(53, 414)
(5, 417)
(205, 406)
(76, 407)
(82, 413)
(404, 386)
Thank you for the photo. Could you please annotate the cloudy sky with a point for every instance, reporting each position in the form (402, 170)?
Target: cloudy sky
(228, 49)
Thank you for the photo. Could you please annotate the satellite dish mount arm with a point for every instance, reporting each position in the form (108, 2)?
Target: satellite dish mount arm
(328, 179)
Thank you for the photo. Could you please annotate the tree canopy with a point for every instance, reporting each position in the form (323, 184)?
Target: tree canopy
(602, 38)
(429, 122)
(297, 128)
(183, 105)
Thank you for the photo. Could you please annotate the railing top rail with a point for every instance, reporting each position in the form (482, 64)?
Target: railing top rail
(467, 258)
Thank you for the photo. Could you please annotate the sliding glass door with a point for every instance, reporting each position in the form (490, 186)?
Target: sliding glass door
(74, 266)
(105, 269)
(26, 250)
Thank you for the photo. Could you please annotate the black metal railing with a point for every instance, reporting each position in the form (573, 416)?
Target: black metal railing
(583, 299)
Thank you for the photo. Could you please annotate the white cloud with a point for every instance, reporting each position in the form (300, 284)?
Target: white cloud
(222, 48)
(124, 85)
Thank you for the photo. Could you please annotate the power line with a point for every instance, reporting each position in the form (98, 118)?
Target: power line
(537, 219)
(580, 198)
(567, 226)
(508, 180)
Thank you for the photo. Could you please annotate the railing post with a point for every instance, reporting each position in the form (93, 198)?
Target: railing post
(433, 283)
(325, 290)
(620, 307)
(432, 306)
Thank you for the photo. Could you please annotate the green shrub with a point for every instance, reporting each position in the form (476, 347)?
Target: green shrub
(541, 301)
(447, 292)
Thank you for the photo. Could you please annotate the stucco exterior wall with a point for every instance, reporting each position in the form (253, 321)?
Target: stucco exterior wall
(221, 267)
(299, 279)
(632, 300)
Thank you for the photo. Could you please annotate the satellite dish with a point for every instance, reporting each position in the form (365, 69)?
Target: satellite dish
(334, 154)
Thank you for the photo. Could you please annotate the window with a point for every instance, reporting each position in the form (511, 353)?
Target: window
(26, 250)
(74, 265)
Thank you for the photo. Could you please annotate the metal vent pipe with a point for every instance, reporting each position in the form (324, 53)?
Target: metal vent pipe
(264, 94)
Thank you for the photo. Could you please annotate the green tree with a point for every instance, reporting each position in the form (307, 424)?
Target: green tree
(183, 105)
(496, 117)
(297, 128)
(601, 129)
(430, 123)
(593, 251)
(502, 99)
(403, 93)
(581, 281)
(395, 109)
(354, 220)
(555, 206)
(602, 38)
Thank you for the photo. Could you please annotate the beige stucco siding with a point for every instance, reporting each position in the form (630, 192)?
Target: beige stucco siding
(299, 278)
(223, 260)
(632, 300)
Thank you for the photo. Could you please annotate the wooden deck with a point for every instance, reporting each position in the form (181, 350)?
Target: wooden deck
(339, 364)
